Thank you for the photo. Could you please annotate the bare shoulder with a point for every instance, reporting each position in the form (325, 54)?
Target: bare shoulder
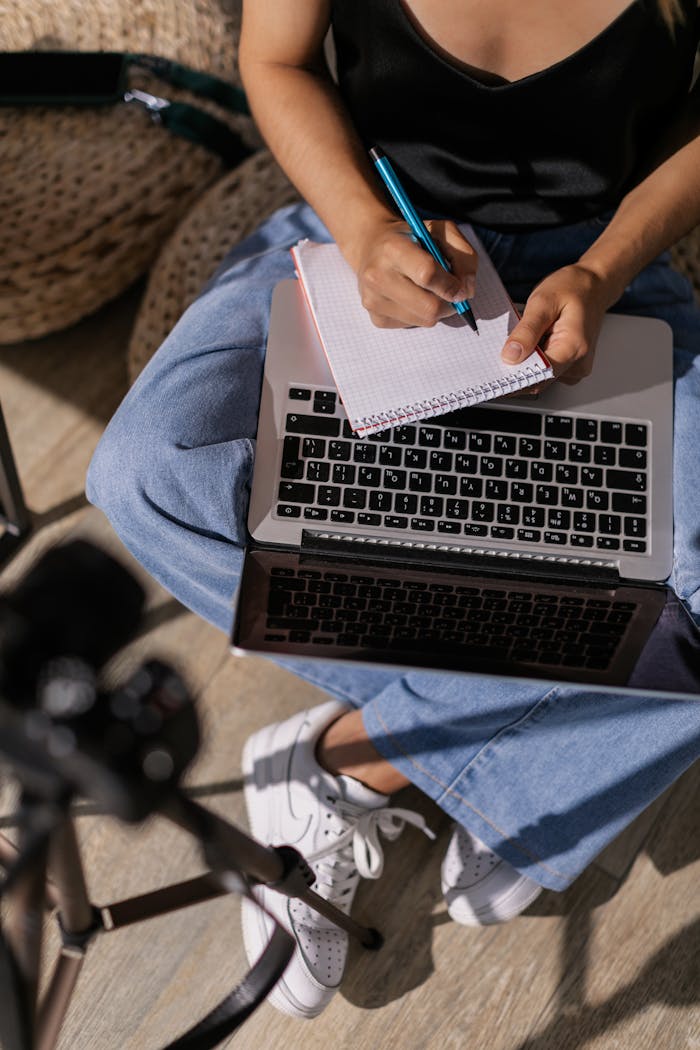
(284, 31)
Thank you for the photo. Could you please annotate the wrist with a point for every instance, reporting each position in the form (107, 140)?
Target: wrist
(361, 228)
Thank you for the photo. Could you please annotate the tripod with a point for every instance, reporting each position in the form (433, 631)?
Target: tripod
(126, 750)
(48, 845)
(14, 516)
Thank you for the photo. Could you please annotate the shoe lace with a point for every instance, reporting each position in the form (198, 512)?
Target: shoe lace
(356, 850)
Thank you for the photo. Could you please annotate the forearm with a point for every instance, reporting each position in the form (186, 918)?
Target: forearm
(654, 215)
(303, 121)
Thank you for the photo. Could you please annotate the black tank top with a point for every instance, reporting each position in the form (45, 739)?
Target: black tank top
(556, 147)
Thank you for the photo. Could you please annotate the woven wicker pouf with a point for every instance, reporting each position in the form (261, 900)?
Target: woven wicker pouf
(89, 195)
(225, 214)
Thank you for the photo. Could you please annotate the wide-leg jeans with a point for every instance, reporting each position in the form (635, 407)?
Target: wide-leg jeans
(545, 774)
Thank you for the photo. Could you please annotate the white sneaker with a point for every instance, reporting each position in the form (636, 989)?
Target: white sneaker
(481, 889)
(334, 822)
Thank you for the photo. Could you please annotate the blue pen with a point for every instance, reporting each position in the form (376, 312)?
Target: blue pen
(418, 227)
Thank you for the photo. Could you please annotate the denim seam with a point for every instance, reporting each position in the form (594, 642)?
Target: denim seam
(460, 798)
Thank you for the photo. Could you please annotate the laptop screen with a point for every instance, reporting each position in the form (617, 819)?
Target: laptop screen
(387, 612)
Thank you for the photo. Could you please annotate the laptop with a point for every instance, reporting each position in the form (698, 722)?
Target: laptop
(527, 537)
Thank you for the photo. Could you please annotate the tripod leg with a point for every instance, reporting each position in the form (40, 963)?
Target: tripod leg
(79, 922)
(13, 511)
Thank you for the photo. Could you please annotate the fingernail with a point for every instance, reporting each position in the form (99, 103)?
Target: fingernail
(512, 352)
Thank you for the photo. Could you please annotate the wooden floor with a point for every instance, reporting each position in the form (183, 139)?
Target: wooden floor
(612, 963)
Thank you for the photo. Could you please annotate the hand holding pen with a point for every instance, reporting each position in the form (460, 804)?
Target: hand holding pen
(420, 232)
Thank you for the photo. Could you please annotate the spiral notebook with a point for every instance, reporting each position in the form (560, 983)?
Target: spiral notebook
(390, 376)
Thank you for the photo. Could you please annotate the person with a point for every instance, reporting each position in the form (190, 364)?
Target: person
(570, 145)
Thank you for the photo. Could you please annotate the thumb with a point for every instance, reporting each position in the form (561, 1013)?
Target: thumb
(527, 333)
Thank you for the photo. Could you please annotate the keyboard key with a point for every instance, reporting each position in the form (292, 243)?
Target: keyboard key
(339, 450)
(394, 479)
(313, 448)
(559, 519)
(363, 452)
(380, 501)
(415, 457)
(626, 479)
(611, 433)
(629, 503)
(431, 506)
(479, 442)
(610, 524)
(566, 474)
(296, 492)
(555, 450)
(541, 471)
(516, 468)
(482, 511)
(466, 464)
(529, 447)
(635, 434)
(557, 538)
(558, 426)
(449, 527)
(440, 461)
(529, 535)
(429, 437)
(288, 510)
(584, 522)
(317, 470)
(605, 455)
(504, 444)
(579, 453)
(328, 496)
(347, 431)
(356, 499)
(578, 539)
(636, 527)
(445, 484)
(500, 532)
(390, 455)
(507, 514)
(323, 426)
(405, 503)
(607, 543)
(496, 489)
(315, 514)
(455, 439)
(422, 525)
(596, 499)
(344, 516)
(420, 481)
(456, 508)
(533, 517)
(343, 474)
(324, 404)
(491, 466)
(472, 529)
(369, 476)
(587, 429)
(392, 521)
(521, 492)
(472, 487)
(571, 497)
(546, 494)
(292, 465)
(297, 393)
(635, 458)
(405, 435)
(634, 546)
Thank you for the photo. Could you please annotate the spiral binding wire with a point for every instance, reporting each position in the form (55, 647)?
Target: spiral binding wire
(436, 406)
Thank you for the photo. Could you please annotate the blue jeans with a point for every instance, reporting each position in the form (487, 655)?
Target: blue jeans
(546, 775)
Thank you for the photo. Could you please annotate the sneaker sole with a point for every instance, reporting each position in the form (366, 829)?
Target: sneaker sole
(511, 905)
(272, 771)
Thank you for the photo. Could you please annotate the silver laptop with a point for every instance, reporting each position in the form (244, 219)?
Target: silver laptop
(527, 536)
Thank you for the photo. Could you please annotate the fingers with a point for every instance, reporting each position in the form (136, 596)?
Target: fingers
(402, 285)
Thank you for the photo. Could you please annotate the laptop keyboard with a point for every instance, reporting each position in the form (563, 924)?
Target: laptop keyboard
(480, 473)
(376, 610)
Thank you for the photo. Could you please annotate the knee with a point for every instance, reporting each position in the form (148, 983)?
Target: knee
(118, 470)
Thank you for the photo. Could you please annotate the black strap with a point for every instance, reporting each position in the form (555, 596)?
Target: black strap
(203, 84)
(232, 1011)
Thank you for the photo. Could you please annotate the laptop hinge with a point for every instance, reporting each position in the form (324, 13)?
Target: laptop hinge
(471, 559)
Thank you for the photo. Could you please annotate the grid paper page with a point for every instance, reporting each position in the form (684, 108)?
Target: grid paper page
(387, 376)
